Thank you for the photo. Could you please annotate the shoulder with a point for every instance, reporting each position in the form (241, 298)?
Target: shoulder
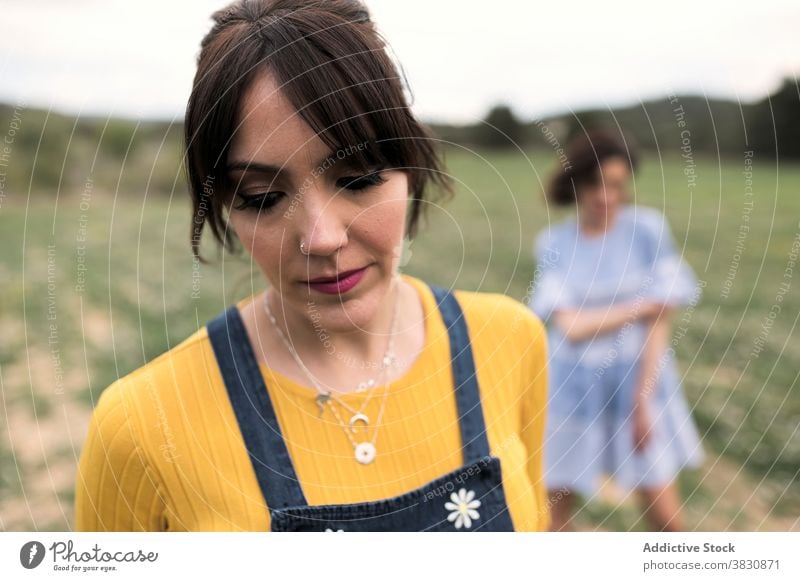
(147, 393)
(509, 344)
(488, 315)
(552, 237)
(646, 219)
(495, 318)
(188, 352)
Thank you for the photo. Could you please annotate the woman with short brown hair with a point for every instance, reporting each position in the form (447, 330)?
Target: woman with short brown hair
(607, 283)
(344, 396)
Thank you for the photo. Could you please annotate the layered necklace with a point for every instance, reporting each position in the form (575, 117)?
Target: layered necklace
(363, 451)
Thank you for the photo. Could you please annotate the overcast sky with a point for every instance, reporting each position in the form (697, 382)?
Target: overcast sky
(136, 58)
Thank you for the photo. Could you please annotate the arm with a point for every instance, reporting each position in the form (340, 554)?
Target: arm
(115, 489)
(579, 325)
(534, 413)
(658, 334)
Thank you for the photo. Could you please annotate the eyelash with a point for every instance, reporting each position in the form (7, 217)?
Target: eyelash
(266, 201)
(359, 183)
(262, 202)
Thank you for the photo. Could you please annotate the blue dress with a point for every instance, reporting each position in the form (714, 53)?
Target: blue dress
(592, 383)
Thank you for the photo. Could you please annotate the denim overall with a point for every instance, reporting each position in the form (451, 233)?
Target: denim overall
(422, 509)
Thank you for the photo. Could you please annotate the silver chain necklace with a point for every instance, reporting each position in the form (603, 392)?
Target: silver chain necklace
(364, 451)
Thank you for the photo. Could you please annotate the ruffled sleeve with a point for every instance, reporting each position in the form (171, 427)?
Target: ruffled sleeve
(670, 280)
(549, 291)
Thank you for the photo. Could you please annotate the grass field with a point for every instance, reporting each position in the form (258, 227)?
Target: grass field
(94, 286)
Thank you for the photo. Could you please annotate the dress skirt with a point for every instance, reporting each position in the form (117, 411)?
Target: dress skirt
(590, 428)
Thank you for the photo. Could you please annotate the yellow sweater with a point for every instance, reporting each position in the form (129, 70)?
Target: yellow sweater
(164, 451)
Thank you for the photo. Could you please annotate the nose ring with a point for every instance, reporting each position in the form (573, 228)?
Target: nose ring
(303, 248)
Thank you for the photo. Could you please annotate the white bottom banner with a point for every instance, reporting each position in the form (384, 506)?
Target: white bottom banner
(388, 556)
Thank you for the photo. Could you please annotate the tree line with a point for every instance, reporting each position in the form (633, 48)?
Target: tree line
(769, 127)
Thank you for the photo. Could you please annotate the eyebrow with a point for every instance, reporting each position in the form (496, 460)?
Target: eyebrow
(254, 166)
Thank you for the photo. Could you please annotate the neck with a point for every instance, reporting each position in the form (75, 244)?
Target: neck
(594, 224)
(343, 354)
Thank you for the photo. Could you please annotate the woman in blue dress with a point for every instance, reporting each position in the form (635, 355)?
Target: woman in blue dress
(607, 283)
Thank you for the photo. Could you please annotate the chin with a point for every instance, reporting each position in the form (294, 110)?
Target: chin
(346, 316)
(349, 311)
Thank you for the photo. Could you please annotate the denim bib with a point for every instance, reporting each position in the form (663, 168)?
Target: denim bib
(470, 498)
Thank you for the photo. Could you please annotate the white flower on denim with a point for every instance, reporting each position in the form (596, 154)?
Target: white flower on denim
(463, 508)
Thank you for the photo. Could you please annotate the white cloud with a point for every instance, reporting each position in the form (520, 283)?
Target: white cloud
(137, 58)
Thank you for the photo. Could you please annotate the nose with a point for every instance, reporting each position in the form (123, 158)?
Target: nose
(323, 225)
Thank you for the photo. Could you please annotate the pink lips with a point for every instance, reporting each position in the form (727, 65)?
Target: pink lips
(340, 285)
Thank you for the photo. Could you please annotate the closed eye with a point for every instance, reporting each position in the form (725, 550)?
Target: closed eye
(261, 202)
(356, 183)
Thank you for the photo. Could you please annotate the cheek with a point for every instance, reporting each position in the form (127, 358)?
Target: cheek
(263, 243)
(588, 197)
(245, 226)
(381, 226)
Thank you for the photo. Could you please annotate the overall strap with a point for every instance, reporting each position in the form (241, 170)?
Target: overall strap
(254, 412)
(468, 400)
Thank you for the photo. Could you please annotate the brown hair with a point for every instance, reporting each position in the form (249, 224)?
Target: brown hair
(334, 69)
(584, 155)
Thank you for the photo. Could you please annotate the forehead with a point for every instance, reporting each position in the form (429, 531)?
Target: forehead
(269, 129)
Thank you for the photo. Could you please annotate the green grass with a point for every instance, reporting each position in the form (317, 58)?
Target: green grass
(745, 401)
(137, 301)
(10, 485)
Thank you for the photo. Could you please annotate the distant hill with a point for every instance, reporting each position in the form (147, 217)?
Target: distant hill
(51, 152)
(713, 126)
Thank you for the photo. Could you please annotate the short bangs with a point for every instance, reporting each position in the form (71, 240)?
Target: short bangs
(334, 69)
